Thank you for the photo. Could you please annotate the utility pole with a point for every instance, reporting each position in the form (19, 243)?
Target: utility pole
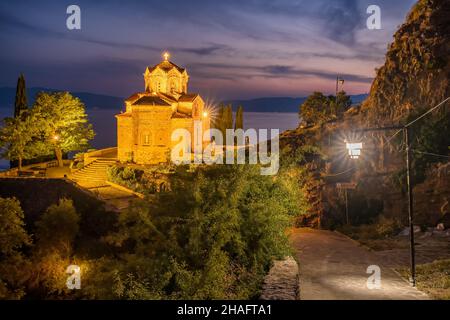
(346, 206)
(410, 206)
(339, 80)
(406, 138)
(346, 186)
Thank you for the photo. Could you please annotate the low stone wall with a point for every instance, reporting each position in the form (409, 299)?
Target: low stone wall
(282, 282)
(109, 153)
(125, 189)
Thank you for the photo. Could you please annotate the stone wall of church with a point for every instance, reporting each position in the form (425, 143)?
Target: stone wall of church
(151, 133)
(124, 138)
(184, 123)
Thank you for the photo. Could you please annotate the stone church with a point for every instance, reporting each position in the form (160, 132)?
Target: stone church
(144, 129)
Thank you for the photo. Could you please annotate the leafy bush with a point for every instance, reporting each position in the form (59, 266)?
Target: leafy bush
(54, 250)
(13, 237)
(131, 178)
(213, 237)
(57, 228)
(381, 228)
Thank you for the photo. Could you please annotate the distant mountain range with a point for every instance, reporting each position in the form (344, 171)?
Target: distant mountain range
(279, 104)
(91, 100)
(99, 101)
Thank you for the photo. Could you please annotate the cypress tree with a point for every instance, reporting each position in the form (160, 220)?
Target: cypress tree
(239, 122)
(229, 117)
(218, 119)
(21, 102)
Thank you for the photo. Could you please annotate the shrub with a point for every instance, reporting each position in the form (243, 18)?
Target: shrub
(58, 227)
(213, 237)
(13, 237)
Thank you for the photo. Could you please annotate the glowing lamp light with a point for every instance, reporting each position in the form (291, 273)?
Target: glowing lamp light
(205, 114)
(354, 149)
(56, 137)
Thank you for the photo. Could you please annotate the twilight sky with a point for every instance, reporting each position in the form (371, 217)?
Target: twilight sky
(231, 48)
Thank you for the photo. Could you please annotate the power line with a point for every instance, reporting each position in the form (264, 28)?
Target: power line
(418, 118)
(431, 154)
(431, 110)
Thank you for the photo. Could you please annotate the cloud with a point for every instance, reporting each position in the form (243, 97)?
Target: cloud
(230, 45)
(12, 23)
(236, 71)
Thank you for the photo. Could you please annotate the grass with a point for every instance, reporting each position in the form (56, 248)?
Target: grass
(377, 236)
(433, 278)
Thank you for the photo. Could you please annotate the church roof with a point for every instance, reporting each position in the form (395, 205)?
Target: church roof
(133, 97)
(166, 66)
(179, 115)
(151, 100)
(126, 114)
(188, 97)
(167, 96)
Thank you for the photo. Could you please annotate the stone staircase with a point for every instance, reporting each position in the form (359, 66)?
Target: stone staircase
(94, 174)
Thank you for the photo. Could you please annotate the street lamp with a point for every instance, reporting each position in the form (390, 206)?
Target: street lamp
(339, 81)
(205, 114)
(354, 149)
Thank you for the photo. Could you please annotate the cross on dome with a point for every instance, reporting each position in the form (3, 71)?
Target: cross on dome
(166, 56)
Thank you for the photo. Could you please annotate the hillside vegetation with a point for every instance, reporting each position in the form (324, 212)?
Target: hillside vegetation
(414, 78)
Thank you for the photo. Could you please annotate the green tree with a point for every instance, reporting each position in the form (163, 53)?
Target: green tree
(13, 238)
(227, 121)
(217, 120)
(17, 139)
(57, 228)
(239, 122)
(53, 252)
(228, 117)
(316, 109)
(64, 122)
(213, 236)
(21, 102)
(343, 103)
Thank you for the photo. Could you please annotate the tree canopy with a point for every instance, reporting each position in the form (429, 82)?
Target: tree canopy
(21, 101)
(63, 122)
(13, 237)
(57, 123)
(319, 108)
(239, 122)
(17, 137)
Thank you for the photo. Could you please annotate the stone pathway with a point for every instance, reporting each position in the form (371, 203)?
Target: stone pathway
(282, 281)
(428, 249)
(333, 267)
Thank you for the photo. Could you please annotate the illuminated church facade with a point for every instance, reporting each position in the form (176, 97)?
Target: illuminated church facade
(144, 129)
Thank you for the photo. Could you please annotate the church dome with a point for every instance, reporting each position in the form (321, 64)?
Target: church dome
(166, 77)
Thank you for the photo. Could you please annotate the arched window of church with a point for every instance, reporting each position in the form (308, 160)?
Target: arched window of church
(147, 139)
(173, 86)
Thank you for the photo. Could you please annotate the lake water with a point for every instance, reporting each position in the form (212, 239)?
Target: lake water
(105, 125)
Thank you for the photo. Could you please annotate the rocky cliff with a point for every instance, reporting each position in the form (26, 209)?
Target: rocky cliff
(416, 72)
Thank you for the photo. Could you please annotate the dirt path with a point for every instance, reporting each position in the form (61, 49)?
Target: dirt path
(333, 266)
